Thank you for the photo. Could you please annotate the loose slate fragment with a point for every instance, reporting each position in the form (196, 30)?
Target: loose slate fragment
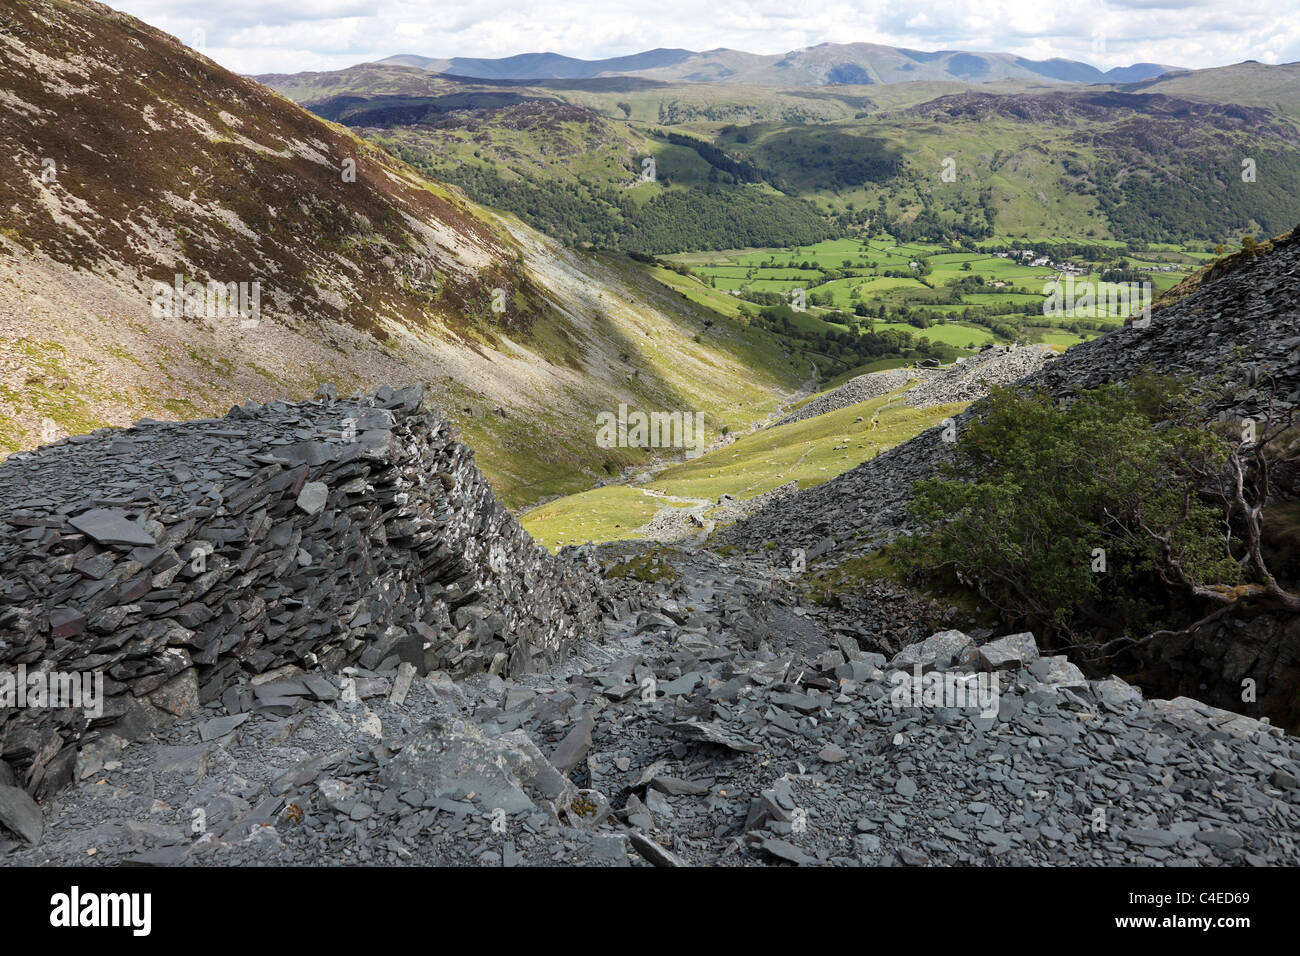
(163, 856)
(313, 497)
(573, 748)
(112, 527)
(674, 787)
(832, 754)
(220, 726)
(1009, 653)
(783, 849)
(66, 622)
(320, 687)
(937, 651)
(652, 852)
(711, 733)
(402, 684)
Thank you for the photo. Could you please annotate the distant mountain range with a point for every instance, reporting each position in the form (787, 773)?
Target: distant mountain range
(857, 64)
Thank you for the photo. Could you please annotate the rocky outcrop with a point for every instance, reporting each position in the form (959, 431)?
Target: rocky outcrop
(964, 381)
(969, 378)
(178, 560)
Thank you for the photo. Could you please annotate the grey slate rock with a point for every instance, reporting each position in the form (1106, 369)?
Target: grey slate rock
(675, 787)
(610, 848)
(313, 497)
(1221, 839)
(572, 750)
(1283, 780)
(112, 527)
(785, 850)
(220, 726)
(20, 814)
(1008, 653)
(711, 733)
(652, 852)
(938, 651)
(1056, 670)
(833, 754)
(216, 539)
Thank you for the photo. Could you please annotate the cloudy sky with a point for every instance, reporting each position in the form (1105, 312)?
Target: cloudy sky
(285, 36)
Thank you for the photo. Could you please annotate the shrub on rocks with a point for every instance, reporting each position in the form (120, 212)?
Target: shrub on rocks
(1099, 518)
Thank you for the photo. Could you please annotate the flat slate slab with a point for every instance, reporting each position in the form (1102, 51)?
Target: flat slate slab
(112, 527)
(713, 734)
(220, 726)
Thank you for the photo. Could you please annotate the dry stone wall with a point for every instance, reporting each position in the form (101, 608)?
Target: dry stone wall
(180, 559)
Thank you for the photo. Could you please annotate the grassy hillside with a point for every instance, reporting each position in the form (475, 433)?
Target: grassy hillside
(163, 165)
(918, 159)
(810, 452)
(586, 179)
(1246, 84)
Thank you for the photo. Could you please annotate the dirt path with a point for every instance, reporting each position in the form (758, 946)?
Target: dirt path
(688, 526)
(636, 476)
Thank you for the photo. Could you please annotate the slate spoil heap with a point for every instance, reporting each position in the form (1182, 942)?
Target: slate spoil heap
(181, 559)
(718, 725)
(965, 380)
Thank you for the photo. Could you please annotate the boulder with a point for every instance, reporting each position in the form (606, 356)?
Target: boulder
(1008, 653)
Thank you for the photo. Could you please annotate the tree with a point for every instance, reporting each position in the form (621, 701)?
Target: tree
(1125, 475)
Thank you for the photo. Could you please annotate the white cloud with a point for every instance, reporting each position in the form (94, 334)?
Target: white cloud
(285, 36)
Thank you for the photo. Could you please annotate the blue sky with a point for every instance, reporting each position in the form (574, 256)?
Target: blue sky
(285, 36)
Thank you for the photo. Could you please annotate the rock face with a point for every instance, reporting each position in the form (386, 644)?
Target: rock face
(180, 559)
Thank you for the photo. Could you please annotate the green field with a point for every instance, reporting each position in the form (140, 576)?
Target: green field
(971, 298)
(960, 336)
(810, 452)
(601, 514)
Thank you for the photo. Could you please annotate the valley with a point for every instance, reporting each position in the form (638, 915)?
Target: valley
(848, 456)
(367, 272)
(719, 485)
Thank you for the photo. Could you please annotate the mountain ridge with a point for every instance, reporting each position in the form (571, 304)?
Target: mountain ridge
(824, 64)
